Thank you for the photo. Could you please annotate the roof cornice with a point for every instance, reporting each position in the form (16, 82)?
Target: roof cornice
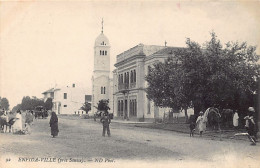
(129, 59)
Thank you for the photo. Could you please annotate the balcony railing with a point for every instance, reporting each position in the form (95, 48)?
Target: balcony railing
(126, 86)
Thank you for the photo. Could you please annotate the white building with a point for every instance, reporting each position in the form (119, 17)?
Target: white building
(69, 99)
(101, 82)
(48, 94)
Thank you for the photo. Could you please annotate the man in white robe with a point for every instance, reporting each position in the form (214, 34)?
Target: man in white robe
(235, 120)
(18, 126)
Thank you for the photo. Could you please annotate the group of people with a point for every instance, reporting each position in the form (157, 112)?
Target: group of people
(105, 120)
(250, 124)
(15, 122)
(17, 126)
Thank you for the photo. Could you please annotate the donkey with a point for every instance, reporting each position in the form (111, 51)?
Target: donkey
(5, 123)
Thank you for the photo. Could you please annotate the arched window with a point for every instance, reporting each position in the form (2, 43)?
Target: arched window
(101, 89)
(118, 108)
(100, 52)
(135, 107)
(134, 76)
(127, 77)
(122, 107)
(131, 77)
(130, 108)
(105, 52)
(104, 90)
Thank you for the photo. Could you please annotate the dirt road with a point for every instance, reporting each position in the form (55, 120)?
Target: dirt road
(80, 143)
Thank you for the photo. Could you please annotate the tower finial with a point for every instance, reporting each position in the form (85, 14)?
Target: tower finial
(102, 25)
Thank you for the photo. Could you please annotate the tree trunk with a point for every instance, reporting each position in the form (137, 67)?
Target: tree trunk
(197, 109)
(170, 117)
(186, 115)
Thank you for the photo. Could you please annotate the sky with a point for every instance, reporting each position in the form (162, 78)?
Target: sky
(43, 43)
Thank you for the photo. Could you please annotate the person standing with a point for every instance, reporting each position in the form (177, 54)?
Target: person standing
(28, 122)
(18, 126)
(192, 128)
(235, 120)
(105, 119)
(54, 124)
(201, 123)
(6, 118)
(246, 118)
(252, 126)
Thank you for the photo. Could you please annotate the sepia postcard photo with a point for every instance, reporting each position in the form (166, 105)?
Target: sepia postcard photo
(120, 84)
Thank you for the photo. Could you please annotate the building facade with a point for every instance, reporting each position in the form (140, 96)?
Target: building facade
(130, 98)
(48, 94)
(68, 100)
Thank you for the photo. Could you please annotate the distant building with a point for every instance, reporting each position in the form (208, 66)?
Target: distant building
(48, 94)
(69, 100)
(130, 98)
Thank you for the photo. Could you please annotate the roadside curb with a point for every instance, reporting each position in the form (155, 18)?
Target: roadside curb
(207, 134)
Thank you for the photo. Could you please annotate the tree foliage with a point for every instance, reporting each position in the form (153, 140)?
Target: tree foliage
(4, 103)
(16, 108)
(30, 103)
(86, 107)
(206, 76)
(102, 105)
(48, 104)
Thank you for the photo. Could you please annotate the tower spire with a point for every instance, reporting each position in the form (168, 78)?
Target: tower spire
(102, 25)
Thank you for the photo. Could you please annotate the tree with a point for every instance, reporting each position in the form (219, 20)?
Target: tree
(102, 105)
(161, 85)
(201, 77)
(16, 108)
(229, 74)
(4, 103)
(86, 107)
(48, 104)
(30, 104)
(26, 103)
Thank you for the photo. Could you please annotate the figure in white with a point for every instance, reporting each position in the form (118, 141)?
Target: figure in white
(201, 123)
(235, 119)
(18, 126)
